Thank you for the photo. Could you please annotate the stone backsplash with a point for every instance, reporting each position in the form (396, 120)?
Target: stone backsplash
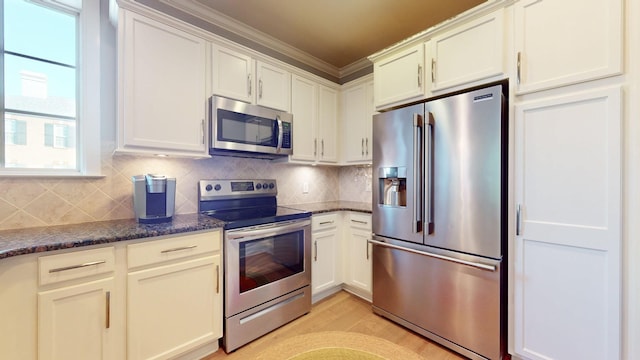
(30, 202)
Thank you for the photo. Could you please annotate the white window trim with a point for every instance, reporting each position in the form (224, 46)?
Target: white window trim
(88, 138)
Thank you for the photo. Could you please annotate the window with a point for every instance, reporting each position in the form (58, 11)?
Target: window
(50, 74)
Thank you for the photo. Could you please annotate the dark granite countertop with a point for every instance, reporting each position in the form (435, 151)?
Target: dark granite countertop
(329, 206)
(40, 239)
(49, 238)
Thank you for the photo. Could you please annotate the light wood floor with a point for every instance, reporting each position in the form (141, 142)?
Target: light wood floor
(343, 312)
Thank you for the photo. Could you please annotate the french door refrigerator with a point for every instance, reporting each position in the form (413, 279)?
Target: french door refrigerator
(439, 219)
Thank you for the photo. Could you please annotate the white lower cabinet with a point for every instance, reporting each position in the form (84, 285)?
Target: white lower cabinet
(326, 253)
(567, 250)
(75, 307)
(358, 254)
(174, 296)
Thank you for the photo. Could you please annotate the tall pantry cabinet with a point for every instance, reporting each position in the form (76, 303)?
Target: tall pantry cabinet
(566, 262)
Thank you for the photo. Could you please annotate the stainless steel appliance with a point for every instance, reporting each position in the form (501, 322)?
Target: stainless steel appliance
(154, 198)
(439, 219)
(267, 257)
(246, 130)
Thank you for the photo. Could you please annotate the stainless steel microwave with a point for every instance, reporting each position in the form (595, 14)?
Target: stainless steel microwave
(246, 130)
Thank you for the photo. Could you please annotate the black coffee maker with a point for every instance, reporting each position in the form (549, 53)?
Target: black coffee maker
(154, 198)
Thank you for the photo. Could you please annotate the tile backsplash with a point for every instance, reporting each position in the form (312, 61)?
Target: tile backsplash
(30, 202)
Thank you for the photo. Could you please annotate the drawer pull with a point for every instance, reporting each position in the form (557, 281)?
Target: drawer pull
(217, 279)
(360, 221)
(92, 263)
(326, 222)
(179, 249)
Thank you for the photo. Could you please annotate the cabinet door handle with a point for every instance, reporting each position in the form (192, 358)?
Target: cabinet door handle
(366, 146)
(322, 143)
(518, 218)
(366, 245)
(518, 67)
(217, 279)
(362, 146)
(315, 247)
(315, 146)
(249, 83)
(260, 89)
(419, 75)
(202, 127)
(433, 70)
(179, 249)
(359, 221)
(92, 263)
(108, 310)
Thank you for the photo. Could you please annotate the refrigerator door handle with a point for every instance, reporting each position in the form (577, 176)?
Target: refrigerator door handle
(417, 168)
(429, 174)
(437, 256)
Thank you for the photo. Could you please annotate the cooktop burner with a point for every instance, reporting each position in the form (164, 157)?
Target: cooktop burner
(243, 203)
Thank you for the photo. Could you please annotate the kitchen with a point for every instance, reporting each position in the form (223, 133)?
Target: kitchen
(42, 202)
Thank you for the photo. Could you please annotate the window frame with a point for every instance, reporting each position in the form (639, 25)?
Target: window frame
(88, 100)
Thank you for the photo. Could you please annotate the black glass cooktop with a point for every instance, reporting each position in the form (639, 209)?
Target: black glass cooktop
(243, 217)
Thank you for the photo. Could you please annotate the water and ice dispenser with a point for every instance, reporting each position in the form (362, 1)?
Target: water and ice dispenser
(392, 186)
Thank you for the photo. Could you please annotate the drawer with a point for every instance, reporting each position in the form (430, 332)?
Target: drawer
(174, 247)
(75, 265)
(324, 221)
(361, 221)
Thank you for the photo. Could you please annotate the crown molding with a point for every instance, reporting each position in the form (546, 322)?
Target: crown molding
(216, 18)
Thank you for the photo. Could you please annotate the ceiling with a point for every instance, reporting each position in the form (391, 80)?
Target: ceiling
(340, 32)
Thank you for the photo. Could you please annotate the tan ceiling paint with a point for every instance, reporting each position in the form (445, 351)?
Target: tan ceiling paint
(340, 32)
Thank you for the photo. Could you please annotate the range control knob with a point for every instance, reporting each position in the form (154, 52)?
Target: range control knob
(265, 185)
(208, 187)
(258, 186)
(218, 187)
(272, 185)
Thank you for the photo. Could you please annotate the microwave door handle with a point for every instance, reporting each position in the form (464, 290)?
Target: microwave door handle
(279, 134)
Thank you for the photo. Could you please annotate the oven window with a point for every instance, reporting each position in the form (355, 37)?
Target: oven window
(270, 259)
(246, 129)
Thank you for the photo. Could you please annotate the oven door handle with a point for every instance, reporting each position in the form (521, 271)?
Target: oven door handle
(274, 229)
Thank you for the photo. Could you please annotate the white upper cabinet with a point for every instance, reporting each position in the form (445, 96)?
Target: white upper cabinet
(565, 42)
(162, 88)
(237, 75)
(470, 52)
(327, 125)
(232, 74)
(399, 77)
(357, 112)
(567, 273)
(273, 86)
(315, 117)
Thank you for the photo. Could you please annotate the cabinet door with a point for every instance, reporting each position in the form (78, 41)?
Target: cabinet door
(174, 308)
(163, 94)
(567, 274)
(324, 262)
(564, 42)
(360, 260)
(354, 114)
(74, 322)
(470, 52)
(274, 87)
(232, 74)
(304, 107)
(327, 125)
(399, 78)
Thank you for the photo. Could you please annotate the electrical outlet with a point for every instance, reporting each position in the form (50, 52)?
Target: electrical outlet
(305, 187)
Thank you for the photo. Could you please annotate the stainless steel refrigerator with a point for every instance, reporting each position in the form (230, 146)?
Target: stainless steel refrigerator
(439, 219)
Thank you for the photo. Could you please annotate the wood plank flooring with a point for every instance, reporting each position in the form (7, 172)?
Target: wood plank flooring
(343, 312)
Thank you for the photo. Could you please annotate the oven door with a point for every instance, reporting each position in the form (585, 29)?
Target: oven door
(264, 262)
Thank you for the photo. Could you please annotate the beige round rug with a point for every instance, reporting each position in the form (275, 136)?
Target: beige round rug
(331, 345)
